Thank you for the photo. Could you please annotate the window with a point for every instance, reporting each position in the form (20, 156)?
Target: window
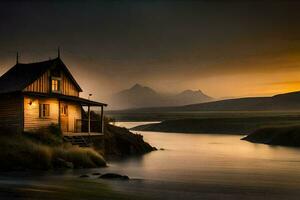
(55, 85)
(44, 110)
(64, 110)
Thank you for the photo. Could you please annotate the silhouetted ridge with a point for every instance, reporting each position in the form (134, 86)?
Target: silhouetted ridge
(280, 102)
(143, 96)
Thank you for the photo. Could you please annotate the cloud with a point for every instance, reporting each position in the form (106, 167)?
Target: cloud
(171, 45)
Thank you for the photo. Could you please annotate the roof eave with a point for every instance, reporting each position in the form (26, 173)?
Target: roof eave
(82, 101)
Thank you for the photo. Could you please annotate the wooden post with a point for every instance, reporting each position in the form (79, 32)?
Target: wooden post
(102, 120)
(102, 129)
(89, 119)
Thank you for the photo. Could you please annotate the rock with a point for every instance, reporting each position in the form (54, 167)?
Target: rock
(96, 173)
(162, 149)
(120, 142)
(61, 163)
(114, 176)
(84, 176)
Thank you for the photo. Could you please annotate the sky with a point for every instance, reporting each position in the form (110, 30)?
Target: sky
(225, 48)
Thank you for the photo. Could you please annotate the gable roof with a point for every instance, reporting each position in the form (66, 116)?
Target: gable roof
(21, 75)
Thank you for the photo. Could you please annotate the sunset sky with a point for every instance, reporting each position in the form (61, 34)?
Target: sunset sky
(226, 49)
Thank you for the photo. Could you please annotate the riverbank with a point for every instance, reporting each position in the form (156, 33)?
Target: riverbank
(45, 149)
(283, 136)
(120, 142)
(219, 125)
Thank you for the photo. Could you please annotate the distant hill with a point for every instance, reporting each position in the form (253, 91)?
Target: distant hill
(277, 135)
(220, 125)
(287, 101)
(142, 96)
(190, 96)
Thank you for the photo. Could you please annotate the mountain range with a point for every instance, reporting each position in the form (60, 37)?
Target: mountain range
(287, 101)
(142, 96)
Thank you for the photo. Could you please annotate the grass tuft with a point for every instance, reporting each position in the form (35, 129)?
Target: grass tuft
(80, 157)
(42, 150)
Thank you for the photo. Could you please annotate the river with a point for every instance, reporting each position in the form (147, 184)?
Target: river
(211, 166)
(203, 166)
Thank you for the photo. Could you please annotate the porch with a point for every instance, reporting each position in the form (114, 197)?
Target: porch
(72, 113)
(89, 127)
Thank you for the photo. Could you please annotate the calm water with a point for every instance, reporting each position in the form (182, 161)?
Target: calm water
(196, 166)
(203, 165)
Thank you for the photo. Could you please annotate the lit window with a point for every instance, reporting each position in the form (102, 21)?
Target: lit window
(44, 110)
(55, 85)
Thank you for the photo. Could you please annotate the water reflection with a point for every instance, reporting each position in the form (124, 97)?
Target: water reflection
(192, 166)
(133, 124)
(215, 159)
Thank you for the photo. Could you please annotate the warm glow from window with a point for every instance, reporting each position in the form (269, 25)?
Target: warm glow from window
(44, 110)
(55, 85)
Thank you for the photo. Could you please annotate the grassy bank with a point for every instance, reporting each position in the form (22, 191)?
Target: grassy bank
(284, 136)
(44, 150)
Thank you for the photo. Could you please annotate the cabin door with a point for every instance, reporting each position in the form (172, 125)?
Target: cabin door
(64, 117)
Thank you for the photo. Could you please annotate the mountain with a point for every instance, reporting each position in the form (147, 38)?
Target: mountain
(142, 96)
(287, 101)
(136, 96)
(191, 97)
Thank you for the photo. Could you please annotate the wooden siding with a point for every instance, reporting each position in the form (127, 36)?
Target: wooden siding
(11, 115)
(42, 85)
(67, 87)
(32, 120)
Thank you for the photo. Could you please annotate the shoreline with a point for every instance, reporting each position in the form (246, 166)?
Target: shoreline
(59, 188)
(158, 180)
(287, 136)
(73, 187)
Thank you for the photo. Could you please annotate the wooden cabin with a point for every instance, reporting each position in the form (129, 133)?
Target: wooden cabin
(35, 95)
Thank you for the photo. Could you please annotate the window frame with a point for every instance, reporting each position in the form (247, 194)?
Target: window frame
(64, 111)
(44, 110)
(58, 85)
